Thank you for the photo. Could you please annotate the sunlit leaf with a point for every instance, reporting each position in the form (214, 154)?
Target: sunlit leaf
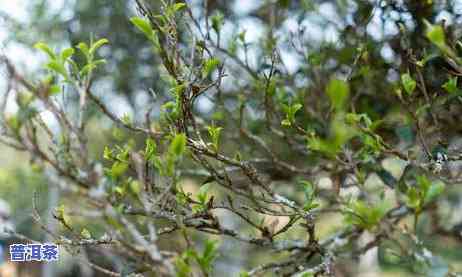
(143, 25)
(178, 145)
(46, 49)
(97, 45)
(209, 66)
(67, 53)
(451, 85)
(435, 33)
(408, 83)
(338, 92)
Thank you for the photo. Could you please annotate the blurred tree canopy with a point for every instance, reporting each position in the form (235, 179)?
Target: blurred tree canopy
(243, 138)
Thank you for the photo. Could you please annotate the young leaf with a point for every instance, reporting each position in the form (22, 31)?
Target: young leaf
(209, 66)
(107, 154)
(144, 26)
(67, 53)
(85, 233)
(310, 195)
(61, 215)
(182, 268)
(217, 21)
(45, 48)
(178, 145)
(413, 198)
(97, 45)
(209, 254)
(435, 189)
(338, 92)
(241, 36)
(118, 169)
(126, 119)
(451, 85)
(293, 110)
(365, 215)
(178, 6)
(286, 123)
(135, 187)
(58, 68)
(89, 67)
(408, 83)
(214, 133)
(150, 150)
(84, 48)
(202, 193)
(119, 190)
(435, 33)
(290, 113)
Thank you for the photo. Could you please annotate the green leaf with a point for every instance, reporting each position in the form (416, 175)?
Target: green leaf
(135, 187)
(179, 89)
(217, 21)
(424, 183)
(45, 48)
(413, 199)
(209, 66)
(61, 214)
(214, 133)
(338, 92)
(324, 146)
(232, 48)
(408, 83)
(365, 215)
(85, 233)
(107, 154)
(58, 68)
(126, 119)
(290, 113)
(150, 150)
(241, 36)
(67, 53)
(293, 110)
(84, 48)
(209, 254)
(13, 122)
(358, 118)
(89, 67)
(436, 189)
(451, 85)
(340, 133)
(286, 123)
(143, 25)
(118, 169)
(55, 89)
(202, 193)
(178, 6)
(435, 33)
(24, 99)
(119, 190)
(178, 145)
(308, 189)
(159, 165)
(97, 45)
(182, 268)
